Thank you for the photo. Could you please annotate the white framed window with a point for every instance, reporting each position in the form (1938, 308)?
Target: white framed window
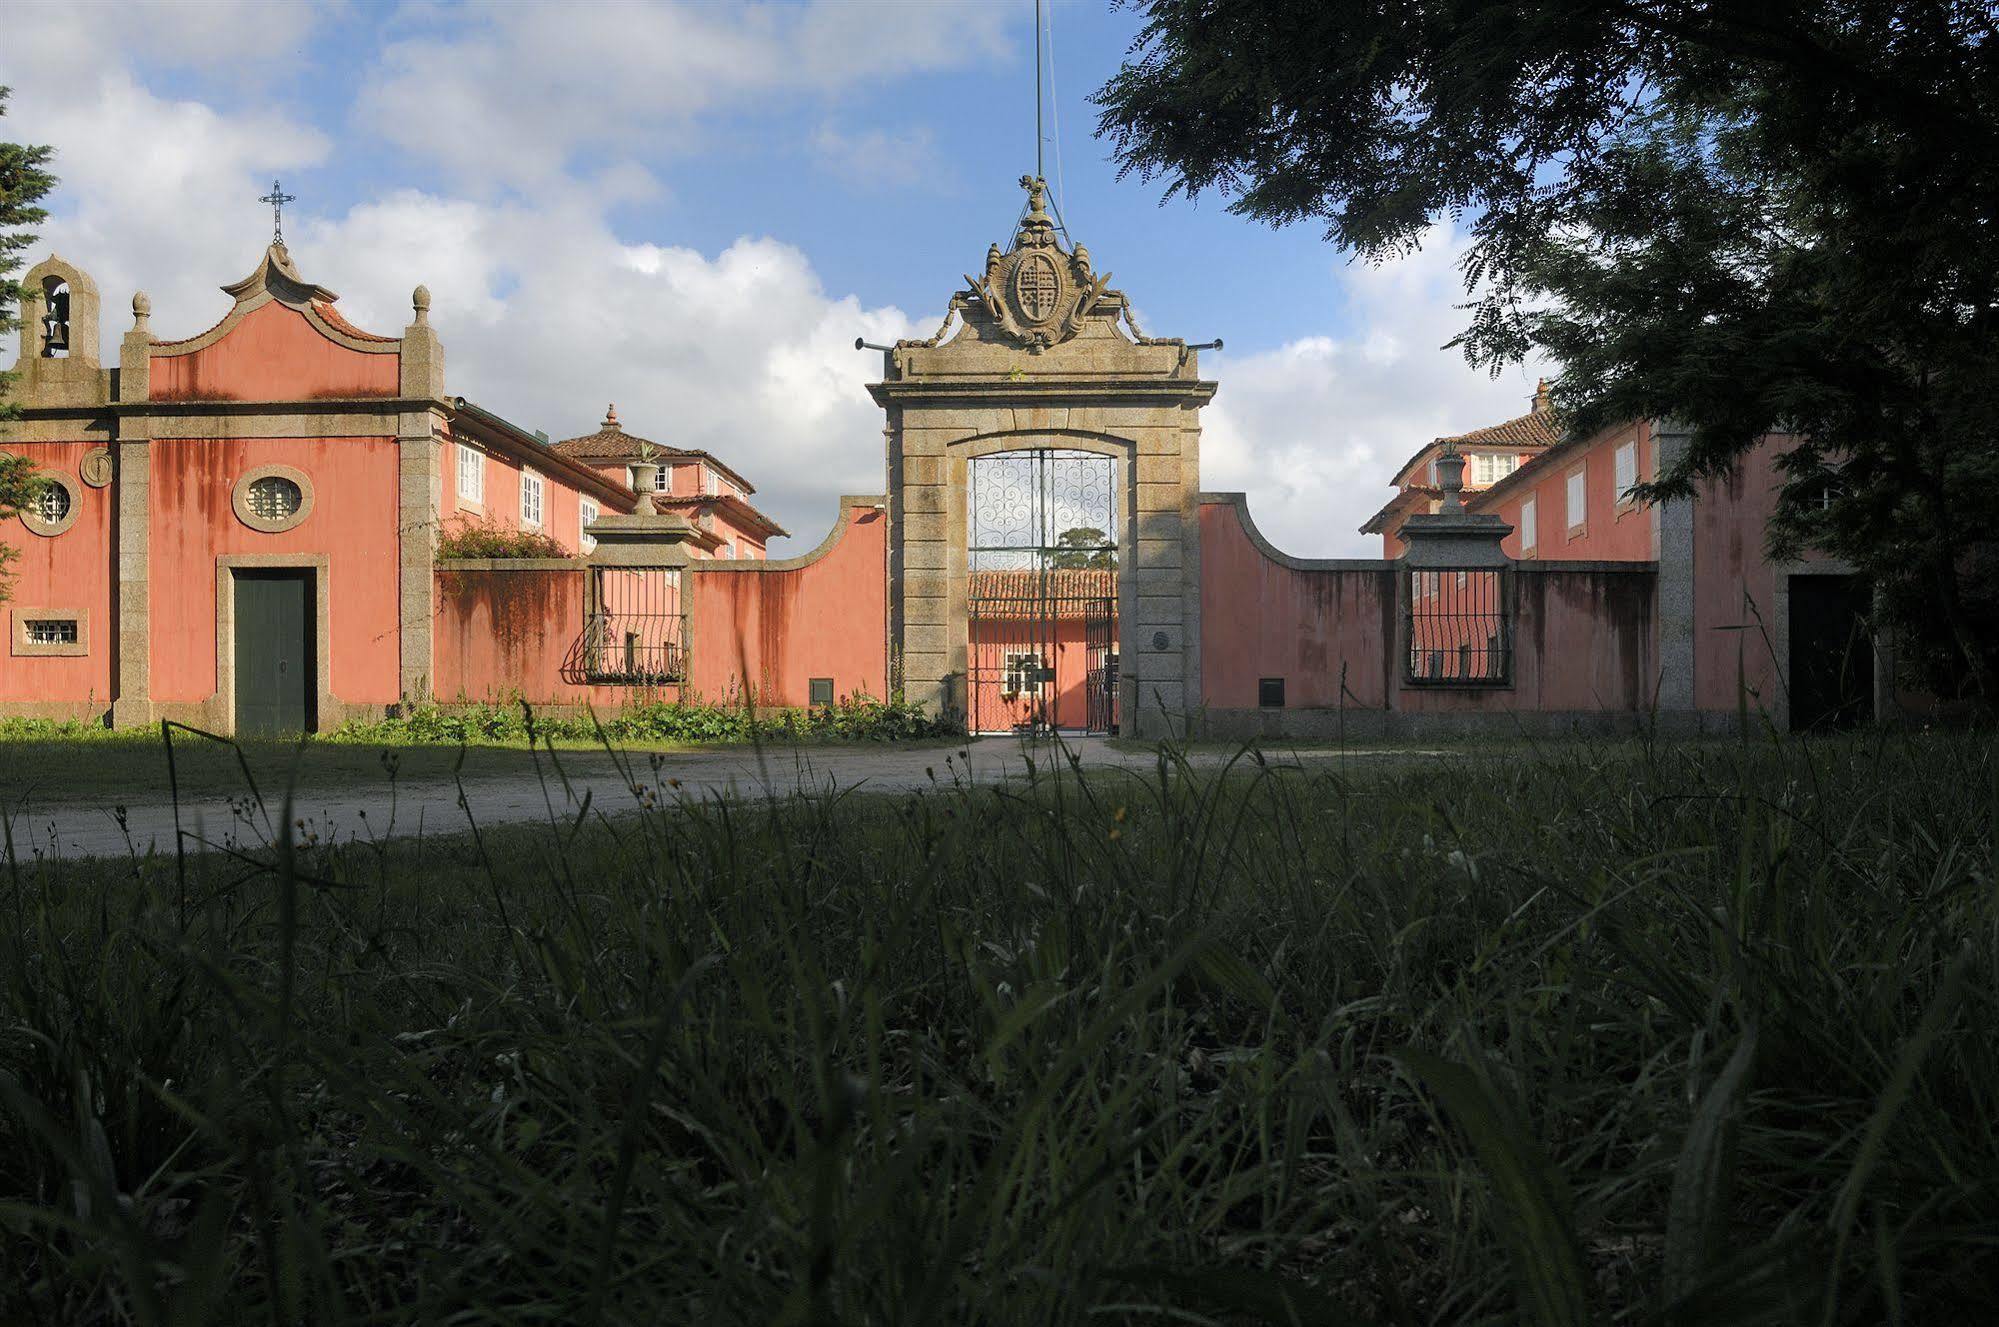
(1627, 470)
(532, 492)
(1488, 468)
(586, 512)
(727, 550)
(1023, 675)
(1528, 511)
(711, 483)
(471, 474)
(1578, 500)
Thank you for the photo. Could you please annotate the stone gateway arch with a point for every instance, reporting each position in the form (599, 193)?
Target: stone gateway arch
(1040, 361)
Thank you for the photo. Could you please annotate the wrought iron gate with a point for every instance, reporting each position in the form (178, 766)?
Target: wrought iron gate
(1041, 604)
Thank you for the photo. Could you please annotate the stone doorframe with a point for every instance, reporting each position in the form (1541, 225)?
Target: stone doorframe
(1158, 556)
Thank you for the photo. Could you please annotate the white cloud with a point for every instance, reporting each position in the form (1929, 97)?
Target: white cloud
(1314, 430)
(512, 93)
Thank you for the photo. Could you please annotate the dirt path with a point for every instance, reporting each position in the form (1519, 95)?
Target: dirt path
(431, 806)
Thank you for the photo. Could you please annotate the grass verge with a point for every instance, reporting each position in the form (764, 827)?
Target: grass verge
(1613, 1033)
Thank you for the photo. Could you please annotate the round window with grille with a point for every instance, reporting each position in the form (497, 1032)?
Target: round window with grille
(273, 498)
(54, 508)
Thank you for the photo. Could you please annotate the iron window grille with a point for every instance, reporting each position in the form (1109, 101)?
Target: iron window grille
(635, 633)
(52, 504)
(274, 498)
(1459, 628)
(51, 631)
(819, 691)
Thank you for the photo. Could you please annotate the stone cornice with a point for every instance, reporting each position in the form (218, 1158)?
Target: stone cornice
(1040, 391)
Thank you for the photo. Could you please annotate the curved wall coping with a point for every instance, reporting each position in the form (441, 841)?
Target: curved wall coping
(511, 564)
(1240, 501)
(1548, 566)
(849, 504)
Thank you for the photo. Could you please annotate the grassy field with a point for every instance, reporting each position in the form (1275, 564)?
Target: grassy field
(1590, 1034)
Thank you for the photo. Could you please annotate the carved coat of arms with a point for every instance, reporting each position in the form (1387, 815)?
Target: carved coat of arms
(1037, 291)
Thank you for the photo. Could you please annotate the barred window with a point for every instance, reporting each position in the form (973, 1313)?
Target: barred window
(1460, 632)
(52, 504)
(50, 631)
(273, 498)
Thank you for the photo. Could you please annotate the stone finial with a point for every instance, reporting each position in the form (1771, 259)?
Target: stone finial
(142, 309)
(420, 301)
(1451, 480)
(1544, 400)
(610, 418)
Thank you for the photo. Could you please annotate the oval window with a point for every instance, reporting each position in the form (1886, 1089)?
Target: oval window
(274, 498)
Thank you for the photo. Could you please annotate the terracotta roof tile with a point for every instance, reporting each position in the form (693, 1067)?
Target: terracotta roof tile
(1019, 594)
(611, 443)
(333, 319)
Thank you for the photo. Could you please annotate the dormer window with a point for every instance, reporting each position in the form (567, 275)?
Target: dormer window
(55, 322)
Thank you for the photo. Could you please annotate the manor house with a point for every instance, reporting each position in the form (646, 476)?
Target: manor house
(271, 526)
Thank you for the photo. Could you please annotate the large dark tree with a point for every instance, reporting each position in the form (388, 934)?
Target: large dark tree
(1755, 219)
(23, 183)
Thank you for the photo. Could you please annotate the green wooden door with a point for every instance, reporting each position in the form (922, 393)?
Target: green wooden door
(275, 685)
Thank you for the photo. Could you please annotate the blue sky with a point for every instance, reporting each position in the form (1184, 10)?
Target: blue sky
(692, 209)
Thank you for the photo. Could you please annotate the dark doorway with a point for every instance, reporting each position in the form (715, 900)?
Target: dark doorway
(275, 652)
(1832, 654)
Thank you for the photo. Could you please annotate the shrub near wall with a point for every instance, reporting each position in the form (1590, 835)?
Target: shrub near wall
(853, 719)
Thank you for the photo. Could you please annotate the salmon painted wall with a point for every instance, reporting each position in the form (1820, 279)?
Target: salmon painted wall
(995, 710)
(1613, 531)
(68, 571)
(353, 523)
(770, 627)
(274, 354)
(1260, 618)
(502, 635)
(1735, 623)
(1585, 641)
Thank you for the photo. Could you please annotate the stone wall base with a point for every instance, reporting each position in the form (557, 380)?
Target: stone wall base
(1373, 725)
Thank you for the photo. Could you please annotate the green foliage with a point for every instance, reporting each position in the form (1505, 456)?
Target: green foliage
(483, 539)
(851, 719)
(1750, 220)
(23, 183)
(1083, 546)
(1652, 1035)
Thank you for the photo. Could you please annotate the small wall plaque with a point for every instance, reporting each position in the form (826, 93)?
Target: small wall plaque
(1159, 640)
(96, 467)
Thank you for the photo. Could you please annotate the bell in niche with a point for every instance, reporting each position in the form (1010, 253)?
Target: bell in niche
(55, 324)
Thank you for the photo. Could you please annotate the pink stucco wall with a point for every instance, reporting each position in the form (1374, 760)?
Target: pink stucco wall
(353, 523)
(1260, 618)
(767, 628)
(501, 506)
(1612, 531)
(65, 572)
(1584, 636)
(274, 354)
(1735, 622)
(505, 634)
(1584, 642)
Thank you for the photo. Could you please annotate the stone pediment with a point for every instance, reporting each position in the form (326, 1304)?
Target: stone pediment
(1037, 293)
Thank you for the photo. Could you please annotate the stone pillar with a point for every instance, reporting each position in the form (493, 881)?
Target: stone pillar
(419, 499)
(1673, 550)
(132, 705)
